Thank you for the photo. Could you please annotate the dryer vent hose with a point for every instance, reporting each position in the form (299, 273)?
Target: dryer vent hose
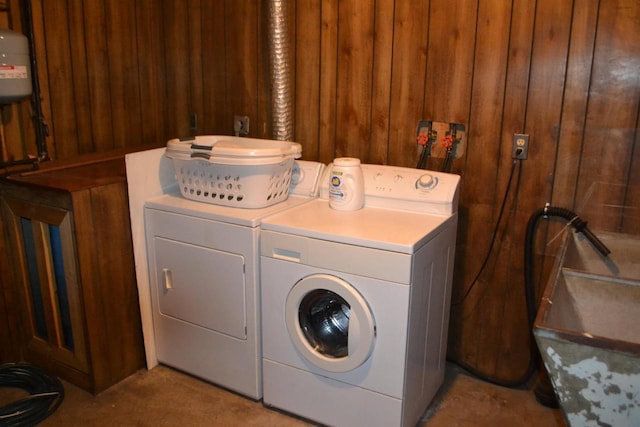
(280, 70)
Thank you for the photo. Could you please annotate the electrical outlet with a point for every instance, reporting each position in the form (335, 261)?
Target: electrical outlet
(520, 149)
(240, 125)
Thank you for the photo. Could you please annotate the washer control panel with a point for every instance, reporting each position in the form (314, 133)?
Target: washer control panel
(406, 188)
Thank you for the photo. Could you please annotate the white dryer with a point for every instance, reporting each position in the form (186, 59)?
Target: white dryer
(355, 305)
(204, 283)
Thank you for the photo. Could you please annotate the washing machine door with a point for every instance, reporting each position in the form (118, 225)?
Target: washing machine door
(330, 323)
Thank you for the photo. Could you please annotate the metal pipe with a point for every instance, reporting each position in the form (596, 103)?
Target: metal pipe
(280, 74)
(39, 122)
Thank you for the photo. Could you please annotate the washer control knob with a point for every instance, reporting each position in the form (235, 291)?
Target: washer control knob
(426, 182)
(297, 174)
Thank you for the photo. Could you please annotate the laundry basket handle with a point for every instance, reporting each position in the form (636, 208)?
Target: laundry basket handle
(201, 147)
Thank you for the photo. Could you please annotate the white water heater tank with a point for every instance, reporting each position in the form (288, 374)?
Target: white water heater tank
(15, 68)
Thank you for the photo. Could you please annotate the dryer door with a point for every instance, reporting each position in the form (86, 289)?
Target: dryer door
(330, 323)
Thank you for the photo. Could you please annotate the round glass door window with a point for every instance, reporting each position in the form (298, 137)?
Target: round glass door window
(330, 323)
(324, 319)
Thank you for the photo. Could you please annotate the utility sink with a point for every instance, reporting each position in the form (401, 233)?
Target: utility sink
(588, 331)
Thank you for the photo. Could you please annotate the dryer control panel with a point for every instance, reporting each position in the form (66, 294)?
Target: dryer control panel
(410, 189)
(305, 178)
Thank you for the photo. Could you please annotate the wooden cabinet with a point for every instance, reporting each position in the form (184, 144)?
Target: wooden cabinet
(67, 237)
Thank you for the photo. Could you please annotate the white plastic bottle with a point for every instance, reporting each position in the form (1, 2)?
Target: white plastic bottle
(346, 185)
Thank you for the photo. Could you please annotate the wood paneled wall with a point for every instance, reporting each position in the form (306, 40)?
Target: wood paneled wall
(132, 72)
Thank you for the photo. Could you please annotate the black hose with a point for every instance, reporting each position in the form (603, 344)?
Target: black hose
(46, 395)
(532, 307)
(424, 154)
(519, 382)
(39, 123)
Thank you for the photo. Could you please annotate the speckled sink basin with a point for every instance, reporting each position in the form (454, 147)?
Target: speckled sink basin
(588, 331)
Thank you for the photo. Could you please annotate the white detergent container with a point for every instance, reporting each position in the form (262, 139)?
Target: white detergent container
(346, 184)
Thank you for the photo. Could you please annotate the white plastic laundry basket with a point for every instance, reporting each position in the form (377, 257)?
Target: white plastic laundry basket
(233, 171)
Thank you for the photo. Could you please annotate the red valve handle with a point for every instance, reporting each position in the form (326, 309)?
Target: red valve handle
(422, 139)
(447, 141)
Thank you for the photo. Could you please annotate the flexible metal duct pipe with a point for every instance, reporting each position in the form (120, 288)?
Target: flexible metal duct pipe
(280, 64)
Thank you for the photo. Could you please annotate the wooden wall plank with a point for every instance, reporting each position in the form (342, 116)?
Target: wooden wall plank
(11, 135)
(214, 69)
(483, 156)
(381, 89)
(450, 60)
(262, 124)
(151, 73)
(514, 337)
(328, 73)
(242, 76)
(307, 79)
(81, 92)
(123, 71)
(196, 73)
(60, 75)
(355, 56)
(548, 69)
(411, 26)
(175, 23)
(98, 73)
(574, 107)
(519, 64)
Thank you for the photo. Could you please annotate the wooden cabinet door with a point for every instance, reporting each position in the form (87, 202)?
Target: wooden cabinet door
(43, 255)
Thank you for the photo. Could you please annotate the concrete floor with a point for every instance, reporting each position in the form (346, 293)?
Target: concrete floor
(165, 397)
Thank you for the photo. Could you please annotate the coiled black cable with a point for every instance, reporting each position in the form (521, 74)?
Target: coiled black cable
(46, 395)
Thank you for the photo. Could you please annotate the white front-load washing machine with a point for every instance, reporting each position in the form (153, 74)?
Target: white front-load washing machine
(355, 304)
(204, 283)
